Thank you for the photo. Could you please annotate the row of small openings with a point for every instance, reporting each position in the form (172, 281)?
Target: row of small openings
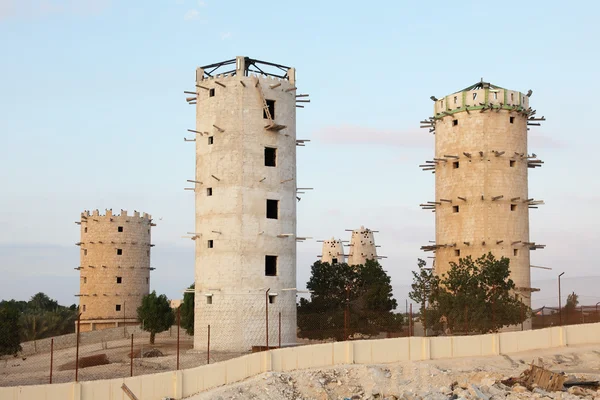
(209, 299)
(456, 164)
(455, 121)
(119, 252)
(512, 98)
(456, 209)
(270, 104)
(119, 229)
(119, 279)
(515, 252)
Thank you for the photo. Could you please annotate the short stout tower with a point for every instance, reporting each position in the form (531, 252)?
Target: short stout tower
(245, 189)
(333, 252)
(362, 246)
(114, 273)
(481, 166)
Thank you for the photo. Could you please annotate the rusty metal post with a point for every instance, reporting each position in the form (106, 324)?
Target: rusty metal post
(267, 316)
(466, 320)
(425, 318)
(208, 347)
(346, 313)
(51, 357)
(77, 349)
(582, 317)
(178, 323)
(279, 329)
(410, 322)
(131, 361)
(559, 301)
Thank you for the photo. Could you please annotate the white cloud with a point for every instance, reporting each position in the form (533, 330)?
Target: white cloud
(191, 15)
(201, 3)
(226, 35)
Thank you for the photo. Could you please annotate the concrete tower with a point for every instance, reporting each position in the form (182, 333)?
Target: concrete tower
(115, 268)
(480, 165)
(245, 189)
(333, 252)
(362, 246)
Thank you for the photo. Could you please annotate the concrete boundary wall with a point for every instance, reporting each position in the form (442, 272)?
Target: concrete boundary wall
(184, 383)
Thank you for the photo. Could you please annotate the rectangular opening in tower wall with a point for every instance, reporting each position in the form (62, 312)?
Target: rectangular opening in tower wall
(119, 252)
(271, 265)
(209, 191)
(271, 106)
(211, 92)
(455, 209)
(270, 157)
(513, 207)
(119, 279)
(211, 140)
(454, 122)
(272, 209)
(120, 229)
(208, 299)
(455, 164)
(457, 253)
(210, 244)
(272, 299)
(512, 120)
(118, 307)
(515, 252)
(512, 163)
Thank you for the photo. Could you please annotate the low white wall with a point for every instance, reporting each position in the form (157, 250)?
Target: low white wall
(180, 384)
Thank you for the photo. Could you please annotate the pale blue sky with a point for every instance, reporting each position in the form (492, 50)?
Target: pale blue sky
(92, 115)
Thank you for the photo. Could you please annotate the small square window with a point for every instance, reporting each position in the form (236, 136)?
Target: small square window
(441, 103)
(512, 163)
(119, 252)
(270, 157)
(120, 229)
(455, 99)
(272, 209)
(208, 299)
(210, 244)
(515, 252)
(512, 97)
(272, 299)
(211, 92)
(455, 164)
(512, 120)
(119, 279)
(85, 230)
(495, 95)
(209, 191)
(84, 279)
(118, 307)
(513, 207)
(454, 122)
(474, 96)
(271, 107)
(334, 261)
(84, 308)
(271, 265)
(455, 209)
(147, 280)
(211, 140)
(457, 253)
(85, 252)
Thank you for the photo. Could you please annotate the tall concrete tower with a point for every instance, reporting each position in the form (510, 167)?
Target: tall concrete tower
(481, 165)
(245, 189)
(333, 251)
(115, 268)
(362, 247)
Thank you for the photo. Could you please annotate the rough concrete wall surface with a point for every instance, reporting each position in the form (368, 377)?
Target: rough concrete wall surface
(184, 383)
(114, 248)
(481, 182)
(362, 246)
(333, 249)
(233, 234)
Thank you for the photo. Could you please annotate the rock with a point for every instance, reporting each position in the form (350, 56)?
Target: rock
(153, 353)
(322, 381)
(577, 391)
(476, 392)
(487, 382)
(519, 389)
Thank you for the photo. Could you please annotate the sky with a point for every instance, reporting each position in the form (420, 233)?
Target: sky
(92, 115)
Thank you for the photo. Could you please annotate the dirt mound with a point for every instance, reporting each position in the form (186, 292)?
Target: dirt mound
(84, 362)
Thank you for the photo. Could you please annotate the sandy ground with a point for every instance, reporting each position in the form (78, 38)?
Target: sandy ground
(427, 380)
(35, 369)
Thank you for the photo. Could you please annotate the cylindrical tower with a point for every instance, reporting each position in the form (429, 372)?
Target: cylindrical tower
(333, 252)
(480, 165)
(362, 247)
(115, 268)
(245, 189)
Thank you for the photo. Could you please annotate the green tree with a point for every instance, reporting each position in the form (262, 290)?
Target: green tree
(474, 296)
(155, 314)
(363, 290)
(572, 302)
(187, 311)
(10, 342)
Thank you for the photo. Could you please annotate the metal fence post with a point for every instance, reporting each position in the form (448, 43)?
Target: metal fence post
(131, 365)
(77, 349)
(51, 357)
(208, 347)
(178, 324)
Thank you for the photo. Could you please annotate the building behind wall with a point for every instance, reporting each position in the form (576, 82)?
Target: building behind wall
(481, 165)
(245, 190)
(114, 269)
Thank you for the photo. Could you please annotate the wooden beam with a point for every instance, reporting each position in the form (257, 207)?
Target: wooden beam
(202, 87)
(220, 84)
(243, 84)
(462, 198)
